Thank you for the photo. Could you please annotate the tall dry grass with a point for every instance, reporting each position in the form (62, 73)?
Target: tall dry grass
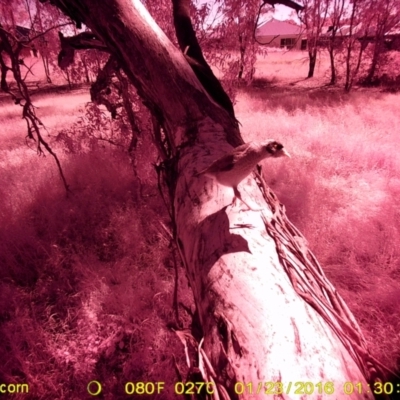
(86, 281)
(341, 188)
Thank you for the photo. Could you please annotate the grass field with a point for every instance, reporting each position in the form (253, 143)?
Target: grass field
(86, 281)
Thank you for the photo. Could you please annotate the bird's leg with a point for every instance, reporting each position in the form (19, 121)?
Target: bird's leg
(239, 196)
(235, 197)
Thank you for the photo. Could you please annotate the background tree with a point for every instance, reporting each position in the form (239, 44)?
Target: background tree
(237, 29)
(385, 16)
(336, 11)
(239, 35)
(313, 17)
(356, 39)
(38, 22)
(14, 41)
(44, 19)
(8, 17)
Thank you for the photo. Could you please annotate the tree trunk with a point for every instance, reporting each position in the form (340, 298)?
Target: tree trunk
(85, 68)
(348, 82)
(44, 48)
(4, 70)
(312, 54)
(267, 312)
(46, 67)
(68, 78)
(351, 73)
(242, 50)
(333, 67)
(332, 45)
(378, 48)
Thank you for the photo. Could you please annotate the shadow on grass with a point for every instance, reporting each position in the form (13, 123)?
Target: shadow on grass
(291, 97)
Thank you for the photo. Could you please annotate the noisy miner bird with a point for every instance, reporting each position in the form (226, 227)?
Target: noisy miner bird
(232, 168)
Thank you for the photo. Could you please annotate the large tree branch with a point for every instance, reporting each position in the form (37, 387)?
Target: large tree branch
(82, 41)
(190, 47)
(130, 33)
(287, 3)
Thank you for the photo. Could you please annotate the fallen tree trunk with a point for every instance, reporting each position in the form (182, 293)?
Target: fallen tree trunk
(271, 322)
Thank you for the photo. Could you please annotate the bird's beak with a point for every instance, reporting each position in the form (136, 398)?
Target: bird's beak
(285, 153)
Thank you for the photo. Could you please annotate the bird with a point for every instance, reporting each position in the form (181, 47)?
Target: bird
(232, 168)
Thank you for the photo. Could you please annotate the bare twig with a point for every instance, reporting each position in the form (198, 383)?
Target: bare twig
(48, 30)
(22, 97)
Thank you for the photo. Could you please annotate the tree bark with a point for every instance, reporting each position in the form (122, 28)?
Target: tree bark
(267, 312)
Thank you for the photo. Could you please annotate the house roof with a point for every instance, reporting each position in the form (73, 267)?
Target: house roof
(21, 32)
(358, 31)
(274, 27)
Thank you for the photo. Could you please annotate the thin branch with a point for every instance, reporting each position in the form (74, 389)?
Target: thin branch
(48, 30)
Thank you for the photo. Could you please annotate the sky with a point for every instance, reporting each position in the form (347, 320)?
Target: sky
(281, 12)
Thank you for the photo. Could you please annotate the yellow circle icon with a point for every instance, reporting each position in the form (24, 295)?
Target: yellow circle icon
(94, 388)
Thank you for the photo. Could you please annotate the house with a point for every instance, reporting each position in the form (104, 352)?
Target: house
(23, 34)
(283, 34)
(392, 39)
(366, 35)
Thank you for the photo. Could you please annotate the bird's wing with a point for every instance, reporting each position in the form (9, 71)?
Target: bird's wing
(226, 162)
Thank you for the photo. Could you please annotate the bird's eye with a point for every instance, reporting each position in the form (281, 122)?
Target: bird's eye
(273, 147)
(270, 148)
